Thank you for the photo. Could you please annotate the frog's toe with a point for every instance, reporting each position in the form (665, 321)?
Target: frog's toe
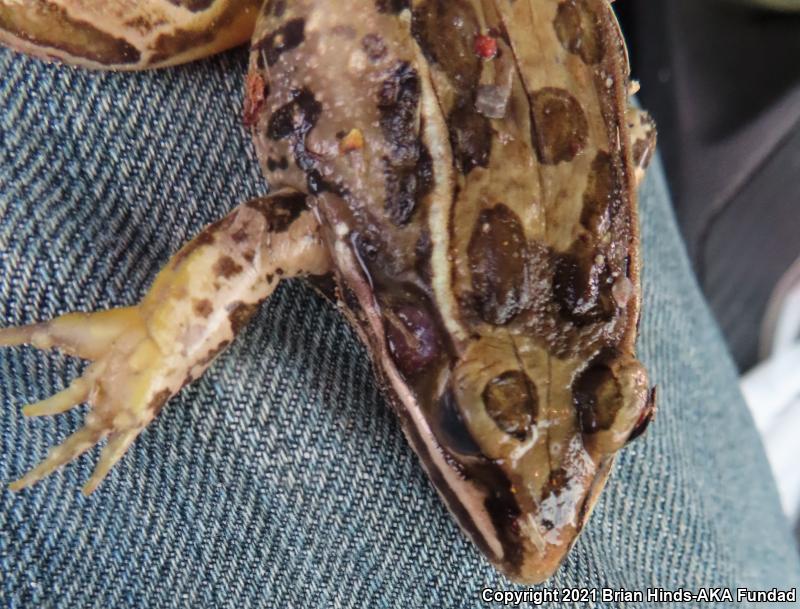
(75, 445)
(118, 444)
(85, 335)
(119, 387)
(76, 393)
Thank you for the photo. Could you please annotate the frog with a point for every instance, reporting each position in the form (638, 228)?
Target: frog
(460, 178)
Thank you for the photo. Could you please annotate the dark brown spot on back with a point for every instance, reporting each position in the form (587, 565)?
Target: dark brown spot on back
(226, 267)
(498, 257)
(407, 185)
(295, 118)
(578, 29)
(445, 31)
(602, 195)
(512, 401)
(239, 313)
(398, 100)
(286, 38)
(280, 210)
(203, 308)
(408, 170)
(559, 128)
(582, 284)
(193, 5)
(470, 136)
(293, 121)
(392, 6)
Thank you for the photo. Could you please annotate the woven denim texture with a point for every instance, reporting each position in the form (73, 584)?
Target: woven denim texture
(281, 478)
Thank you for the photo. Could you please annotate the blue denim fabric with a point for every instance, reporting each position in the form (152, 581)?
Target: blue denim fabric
(281, 479)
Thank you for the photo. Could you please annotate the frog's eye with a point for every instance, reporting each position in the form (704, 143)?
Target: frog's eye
(512, 401)
(597, 397)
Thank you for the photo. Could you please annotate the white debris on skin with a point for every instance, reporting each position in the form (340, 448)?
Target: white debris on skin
(492, 101)
(622, 291)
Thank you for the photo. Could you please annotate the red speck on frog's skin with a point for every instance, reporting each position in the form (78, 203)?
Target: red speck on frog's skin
(485, 47)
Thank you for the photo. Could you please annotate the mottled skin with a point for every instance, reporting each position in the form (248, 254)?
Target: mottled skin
(125, 34)
(475, 205)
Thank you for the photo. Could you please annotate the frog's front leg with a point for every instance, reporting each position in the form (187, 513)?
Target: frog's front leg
(145, 354)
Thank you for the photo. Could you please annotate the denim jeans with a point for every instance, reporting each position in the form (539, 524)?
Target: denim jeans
(281, 478)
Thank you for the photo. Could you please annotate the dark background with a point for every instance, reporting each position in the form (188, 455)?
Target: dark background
(723, 83)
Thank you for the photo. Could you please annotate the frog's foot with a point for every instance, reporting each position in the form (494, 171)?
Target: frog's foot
(90, 336)
(144, 355)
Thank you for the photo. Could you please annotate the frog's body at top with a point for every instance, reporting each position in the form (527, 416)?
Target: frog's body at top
(466, 172)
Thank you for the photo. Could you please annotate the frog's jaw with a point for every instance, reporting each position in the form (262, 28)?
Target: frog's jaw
(144, 355)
